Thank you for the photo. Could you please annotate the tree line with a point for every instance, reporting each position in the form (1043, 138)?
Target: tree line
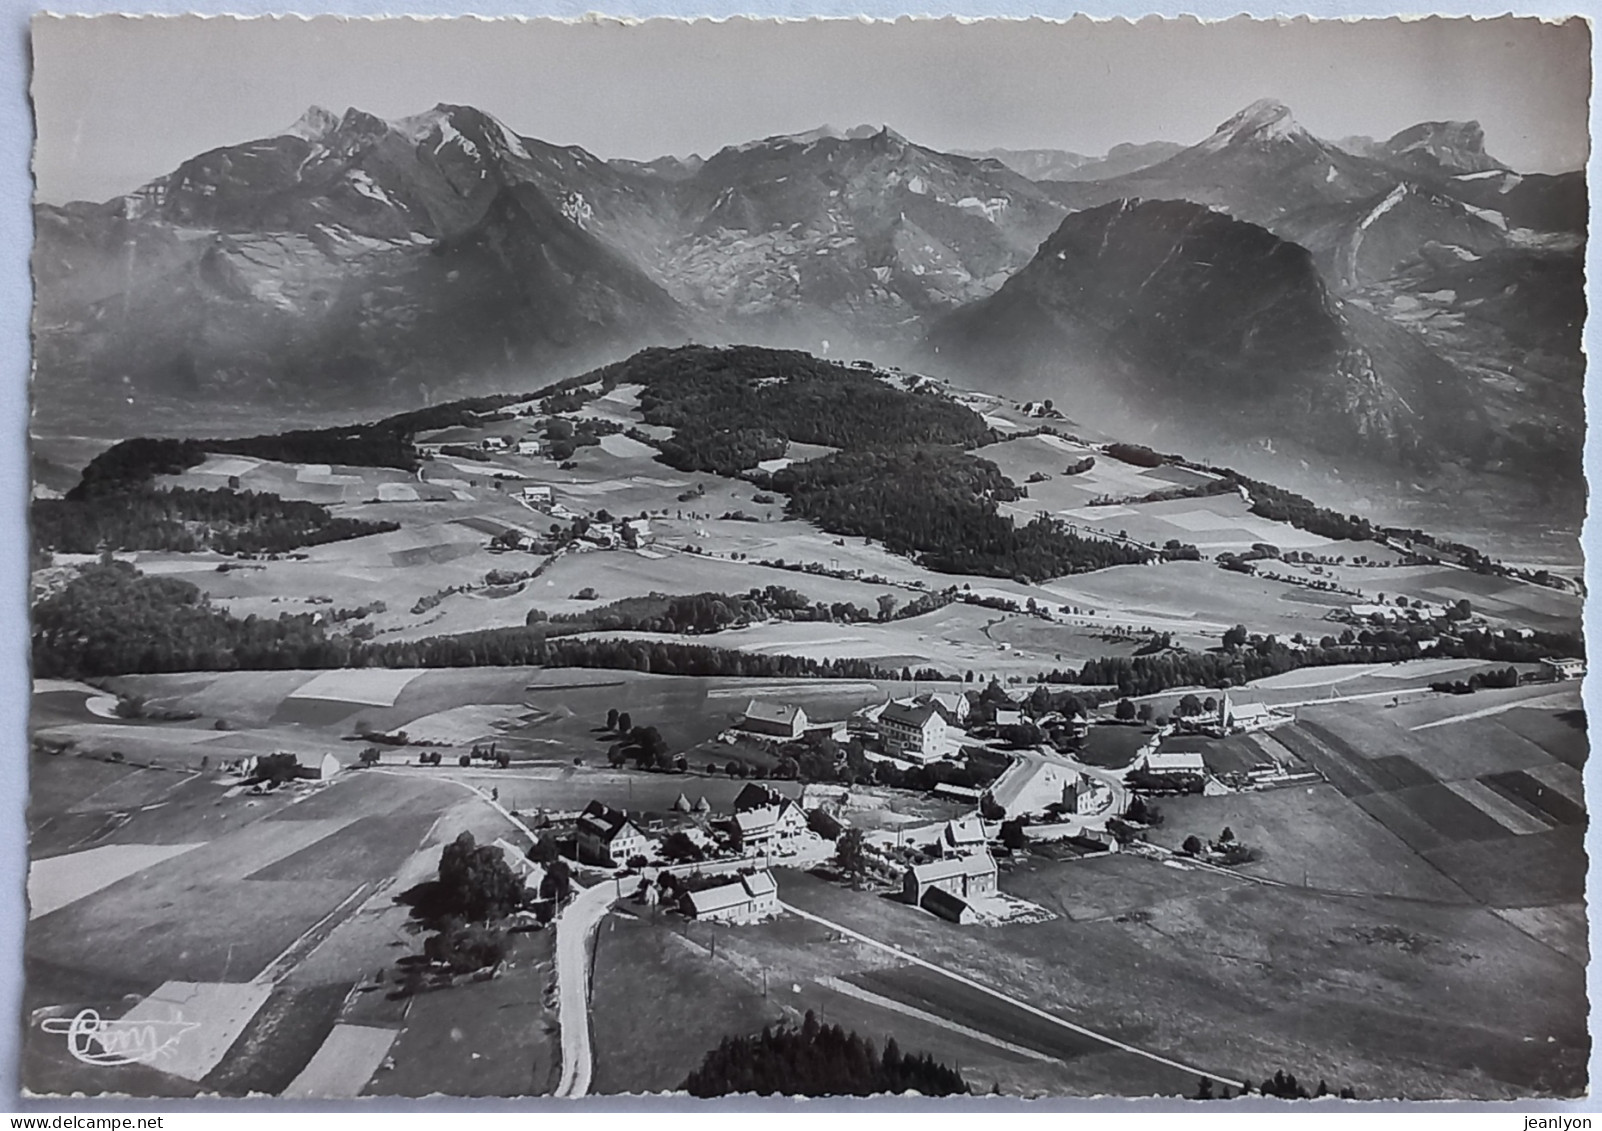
(818, 1060)
(186, 520)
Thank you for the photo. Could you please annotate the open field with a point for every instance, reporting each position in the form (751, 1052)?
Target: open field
(490, 1038)
(659, 1005)
(1233, 974)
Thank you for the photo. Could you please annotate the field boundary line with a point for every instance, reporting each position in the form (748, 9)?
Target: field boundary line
(1027, 1008)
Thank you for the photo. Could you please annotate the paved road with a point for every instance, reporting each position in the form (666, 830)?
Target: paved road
(1014, 1002)
(575, 926)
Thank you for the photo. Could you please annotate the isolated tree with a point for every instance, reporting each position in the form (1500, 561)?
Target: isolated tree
(1189, 705)
(543, 850)
(1235, 637)
(850, 854)
(887, 605)
(1125, 711)
(1205, 1090)
(1144, 713)
(369, 757)
(1192, 845)
(611, 719)
(624, 723)
(1226, 836)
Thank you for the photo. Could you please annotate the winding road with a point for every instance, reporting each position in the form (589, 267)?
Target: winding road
(575, 926)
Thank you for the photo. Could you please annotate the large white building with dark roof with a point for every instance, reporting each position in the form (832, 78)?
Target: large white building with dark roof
(774, 720)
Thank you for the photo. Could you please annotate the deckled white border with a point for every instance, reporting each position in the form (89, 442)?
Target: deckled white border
(16, 187)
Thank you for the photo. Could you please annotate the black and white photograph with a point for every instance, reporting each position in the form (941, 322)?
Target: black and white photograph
(824, 558)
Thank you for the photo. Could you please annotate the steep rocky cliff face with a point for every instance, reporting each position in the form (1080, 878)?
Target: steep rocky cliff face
(1219, 323)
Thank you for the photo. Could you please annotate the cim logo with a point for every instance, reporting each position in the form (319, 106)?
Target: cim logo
(96, 1040)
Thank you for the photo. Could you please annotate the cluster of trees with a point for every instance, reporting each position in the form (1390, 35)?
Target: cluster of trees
(475, 881)
(702, 446)
(792, 395)
(940, 505)
(1504, 677)
(564, 437)
(111, 619)
(1280, 505)
(1137, 454)
(230, 522)
(817, 1060)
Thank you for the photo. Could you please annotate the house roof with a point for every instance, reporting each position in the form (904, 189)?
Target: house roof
(759, 884)
(754, 795)
(972, 864)
(781, 713)
(915, 715)
(604, 821)
(732, 894)
(939, 899)
(755, 820)
(1175, 760)
(969, 830)
(1247, 710)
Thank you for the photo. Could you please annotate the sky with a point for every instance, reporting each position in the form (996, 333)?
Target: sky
(120, 100)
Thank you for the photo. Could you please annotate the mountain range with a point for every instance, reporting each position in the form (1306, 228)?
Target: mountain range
(1411, 302)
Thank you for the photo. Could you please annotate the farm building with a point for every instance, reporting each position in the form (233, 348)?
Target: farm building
(1564, 668)
(606, 836)
(741, 900)
(973, 874)
(939, 901)
(958, 792)
(917, 732)
(774, 720)
(1172, 762)
(528, 446)
(1006, 717)
(537, 493)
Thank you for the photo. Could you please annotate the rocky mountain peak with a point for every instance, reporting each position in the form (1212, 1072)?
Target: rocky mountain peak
(314, 125)
(1264, 121)
(1457, 147)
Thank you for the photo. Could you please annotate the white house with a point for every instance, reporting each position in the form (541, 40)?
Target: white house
(528, 447)
(606, 836)
(741, 900)
(1006, 717)
(766, 820)
(917, 732)
(537, 493)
